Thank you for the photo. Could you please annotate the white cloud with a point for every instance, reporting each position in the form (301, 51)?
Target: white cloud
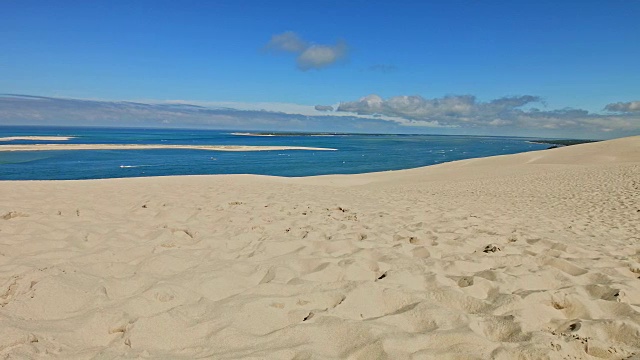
(288, 42)
(465, 111)
(457, 108)
(323, 107)
(321, 56)
(310, 56)
(633, 106)
(500, 122)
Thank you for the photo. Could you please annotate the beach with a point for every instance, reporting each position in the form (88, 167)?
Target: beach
(533, 256)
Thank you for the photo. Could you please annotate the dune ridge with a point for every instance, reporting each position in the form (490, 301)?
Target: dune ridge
(531, 256)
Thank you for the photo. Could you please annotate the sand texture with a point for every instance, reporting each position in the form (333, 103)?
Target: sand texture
(49, 147)
(527, 256)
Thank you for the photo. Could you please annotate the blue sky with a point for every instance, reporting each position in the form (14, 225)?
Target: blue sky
(563, 54)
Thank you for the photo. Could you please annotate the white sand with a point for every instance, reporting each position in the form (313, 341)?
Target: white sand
(48, 147)
(529, 256)
(37, 138)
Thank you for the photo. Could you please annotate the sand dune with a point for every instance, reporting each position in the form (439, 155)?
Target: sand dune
(49, 147)
(530, 256)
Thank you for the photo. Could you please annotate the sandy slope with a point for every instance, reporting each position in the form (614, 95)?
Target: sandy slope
(527, 256)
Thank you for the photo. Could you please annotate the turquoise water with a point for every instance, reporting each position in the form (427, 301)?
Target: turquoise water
(356, 153)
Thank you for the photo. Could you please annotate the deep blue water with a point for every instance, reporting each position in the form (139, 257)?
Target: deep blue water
(356, 153)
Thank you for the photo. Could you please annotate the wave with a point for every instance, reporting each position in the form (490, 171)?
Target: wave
(251, 134)
(135, 166)
(269, 134)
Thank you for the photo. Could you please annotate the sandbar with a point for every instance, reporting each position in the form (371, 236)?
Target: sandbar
(37, 138)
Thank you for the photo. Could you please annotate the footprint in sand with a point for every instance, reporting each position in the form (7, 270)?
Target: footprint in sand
(465, 281)
(491, 248)
(605, 292)
(163, 296)
(12, 214)
(382, 276)
(311, 314)
(569, 327)
(565, 266)
(499, 328)
(613, 295)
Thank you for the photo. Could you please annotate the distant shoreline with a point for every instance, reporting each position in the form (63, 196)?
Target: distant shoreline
(562, 142)
(48, 147)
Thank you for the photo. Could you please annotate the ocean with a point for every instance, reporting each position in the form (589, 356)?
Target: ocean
(357, 153)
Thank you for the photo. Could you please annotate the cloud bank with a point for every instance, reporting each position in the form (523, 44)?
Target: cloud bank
(454, 110)
(40, 110)
(309, 56)
(323, 107)
(287, 42)
(516, 112)
(454, 114)
(632, 106)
